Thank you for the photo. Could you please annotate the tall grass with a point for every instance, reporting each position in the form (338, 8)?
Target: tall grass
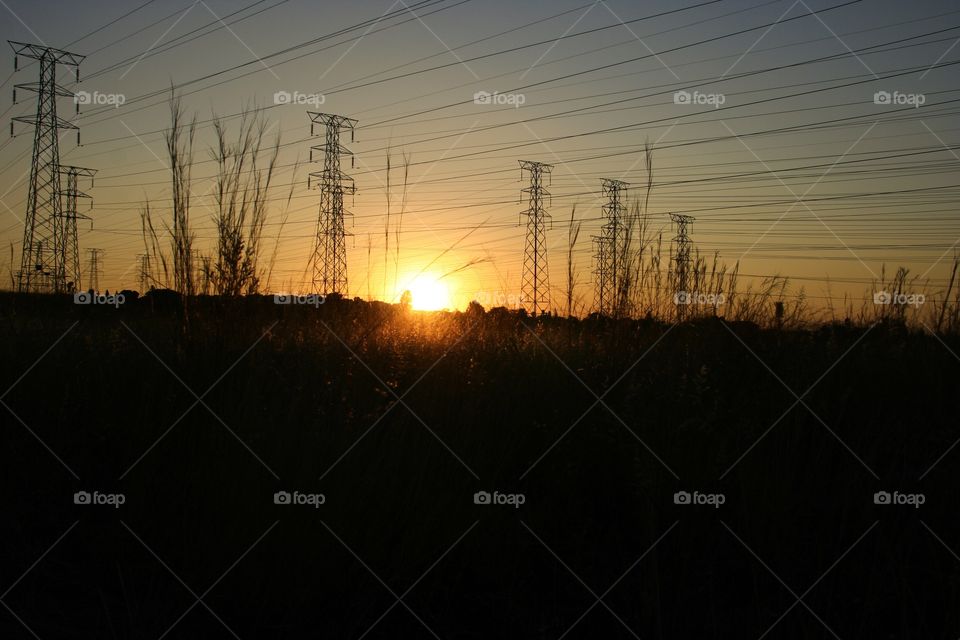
(645, 286)
(573, 233)
(159, 275)
(945, 311)
(246, 166)
(647, 280)
(245, 170)
(179, 142)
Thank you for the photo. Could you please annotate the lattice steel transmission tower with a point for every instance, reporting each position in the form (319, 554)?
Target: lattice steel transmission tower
(206, 273)
(93, 276)
(43, 262)
(71, 194)
(330, 253)
(611, 249)
(681, 258)
(535, 285)
(145, 276)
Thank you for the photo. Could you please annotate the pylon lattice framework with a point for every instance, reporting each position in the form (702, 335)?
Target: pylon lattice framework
(330, 253)
(611, 249)
(682, 261)
(93, 276)
(43, 262)
(71, 194)
(535, 284)
(145, 277)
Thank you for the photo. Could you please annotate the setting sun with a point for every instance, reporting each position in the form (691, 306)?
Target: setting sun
(428, 293)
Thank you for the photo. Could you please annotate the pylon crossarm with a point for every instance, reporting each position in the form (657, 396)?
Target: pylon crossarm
(61, 123)
(35, 87)
(37, 52)
(79, 171)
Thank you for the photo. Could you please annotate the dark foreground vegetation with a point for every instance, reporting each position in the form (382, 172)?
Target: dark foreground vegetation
(398, 418)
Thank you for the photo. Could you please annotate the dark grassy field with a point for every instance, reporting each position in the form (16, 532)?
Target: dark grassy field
(199, 417)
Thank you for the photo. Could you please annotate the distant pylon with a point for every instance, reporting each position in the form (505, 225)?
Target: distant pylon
(145, 277)
(71, 193)
(93, 275)
(611, 249)
(682, 293)
(206, 273)
(330, 253)
(535, 286)
(43, 262)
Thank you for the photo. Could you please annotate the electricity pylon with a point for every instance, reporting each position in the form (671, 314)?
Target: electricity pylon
(93, 276)
(535, 286)
(611, 261)
(43, 262)
(682, 260)
(145, 277)
(71, 193)
(330, 253)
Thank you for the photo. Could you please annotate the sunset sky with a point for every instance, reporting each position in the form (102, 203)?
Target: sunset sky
(788, 110)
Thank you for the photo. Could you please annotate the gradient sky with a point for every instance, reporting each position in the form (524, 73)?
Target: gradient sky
(588, 109)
